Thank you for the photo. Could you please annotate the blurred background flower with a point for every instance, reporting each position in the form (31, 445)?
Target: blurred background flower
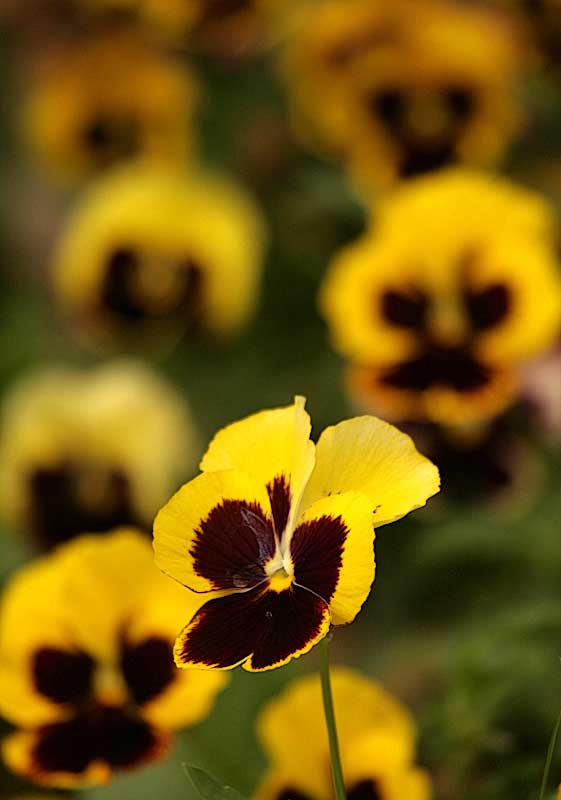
(149, 254)
(377, 739)
(86, 674)
(72, 458)
(401, 89)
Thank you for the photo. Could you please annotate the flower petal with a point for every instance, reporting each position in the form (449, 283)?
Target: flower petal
(368, 455)
(275, 447)
(216, 533)
(332, 550)
(260, 629)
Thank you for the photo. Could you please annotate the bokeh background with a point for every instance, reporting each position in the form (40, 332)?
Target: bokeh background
(464, 620)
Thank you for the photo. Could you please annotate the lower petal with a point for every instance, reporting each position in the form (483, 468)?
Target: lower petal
(84, 750)
(260, 629)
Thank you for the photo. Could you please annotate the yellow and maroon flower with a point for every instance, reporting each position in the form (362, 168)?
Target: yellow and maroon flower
(86, 666)
(105, 100)
(376, 736)
(437, 322)
(399, 89)
(72, 459)
(151, 253)
(282, 530)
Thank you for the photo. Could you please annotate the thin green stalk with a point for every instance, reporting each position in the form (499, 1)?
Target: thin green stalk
(336, 769)
(550, 754)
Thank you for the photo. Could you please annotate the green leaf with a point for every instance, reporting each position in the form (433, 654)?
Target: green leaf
(209, 787)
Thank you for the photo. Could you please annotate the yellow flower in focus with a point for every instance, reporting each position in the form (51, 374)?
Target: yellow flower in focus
(86, 667)
(283, 530)
(106, 100)
(150, 253)
(453, 287)
(403, 88)
(87, 451)
(376, 735)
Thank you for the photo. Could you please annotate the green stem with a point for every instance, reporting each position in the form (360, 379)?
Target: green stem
(549, 758)
(336, 769)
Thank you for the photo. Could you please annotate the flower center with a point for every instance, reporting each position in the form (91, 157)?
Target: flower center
(280, 580)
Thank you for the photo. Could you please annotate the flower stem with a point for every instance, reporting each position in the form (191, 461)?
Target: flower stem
(549, 757)
(336, 769)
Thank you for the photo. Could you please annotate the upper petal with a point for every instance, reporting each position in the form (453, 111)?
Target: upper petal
(274, 446)
(216, 533)
(332, 551)
(368, 455)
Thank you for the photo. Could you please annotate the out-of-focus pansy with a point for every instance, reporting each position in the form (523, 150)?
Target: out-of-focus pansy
(455, 285)
(86, 451)
(151, 253)
(108, 99)
(403, 88)
(376, 736)
(283, 529)
(86, 666)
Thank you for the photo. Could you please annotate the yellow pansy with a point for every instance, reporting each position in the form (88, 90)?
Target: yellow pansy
(151, 252)
(86, 668)
(283, 530)
(398, 89)
(455, 284)
(107, 99)
(376, 735)
(83, 451)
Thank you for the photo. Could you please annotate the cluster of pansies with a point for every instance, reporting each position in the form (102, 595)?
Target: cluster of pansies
(444, 308)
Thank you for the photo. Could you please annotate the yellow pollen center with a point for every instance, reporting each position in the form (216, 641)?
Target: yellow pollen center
(280, 581)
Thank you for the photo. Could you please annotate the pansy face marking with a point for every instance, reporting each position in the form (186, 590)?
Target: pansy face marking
(283, 531)
(91, 689)
(73, 497)
(137, 286)
(436, 323)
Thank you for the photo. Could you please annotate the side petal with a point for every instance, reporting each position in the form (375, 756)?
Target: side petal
(216, 533)
(332, 551)
(261, 629)
(368, 455)
(275, 447)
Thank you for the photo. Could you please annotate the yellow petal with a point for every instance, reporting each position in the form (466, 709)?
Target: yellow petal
(332, 551)
(216, 533)
(367, 455)
(270, 445)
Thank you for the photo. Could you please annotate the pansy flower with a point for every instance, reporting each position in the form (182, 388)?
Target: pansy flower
(376, 736)
(151, 253)
(108, 99)
(437, 321)
(397, 90)
(86, 668)
(282, 530)
(86, 451)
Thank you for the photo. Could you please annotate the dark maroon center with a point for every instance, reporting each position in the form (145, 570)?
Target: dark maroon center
(391, 106)
(437, 365)
(119, 298)
(59, 511)
(109, 139)
(148, 668)
(100, 733)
